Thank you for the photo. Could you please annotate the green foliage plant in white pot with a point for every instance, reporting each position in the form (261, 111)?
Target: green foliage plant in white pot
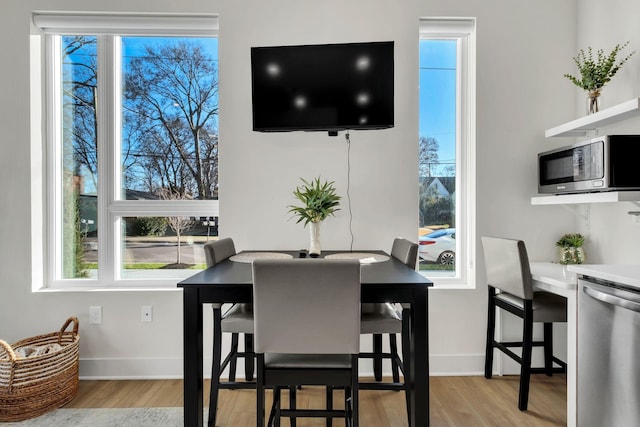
(597, 72)
(319, 200)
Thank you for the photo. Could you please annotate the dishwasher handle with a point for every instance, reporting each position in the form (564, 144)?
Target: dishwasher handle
(611, 299)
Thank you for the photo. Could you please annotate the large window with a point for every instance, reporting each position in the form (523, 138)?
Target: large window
(132, 150)
(446, 150)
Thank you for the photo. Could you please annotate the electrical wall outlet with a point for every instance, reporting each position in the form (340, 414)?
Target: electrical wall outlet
(95, 314)
(147, 313)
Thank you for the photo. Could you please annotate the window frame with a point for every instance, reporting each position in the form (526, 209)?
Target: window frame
(463, 30)
(111, 208)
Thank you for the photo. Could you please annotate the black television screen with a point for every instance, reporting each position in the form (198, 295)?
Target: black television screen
(327, 87)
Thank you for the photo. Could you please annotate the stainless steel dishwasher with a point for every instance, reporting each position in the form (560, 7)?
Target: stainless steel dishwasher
(608, 354)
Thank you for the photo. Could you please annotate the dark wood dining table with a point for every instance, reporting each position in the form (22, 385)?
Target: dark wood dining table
(231, 282)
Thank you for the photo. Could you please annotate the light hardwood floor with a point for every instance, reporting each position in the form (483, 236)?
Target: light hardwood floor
(454, 401)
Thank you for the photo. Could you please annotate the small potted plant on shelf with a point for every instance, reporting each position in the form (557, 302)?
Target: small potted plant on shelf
(319, 200)
(597, 72)
(571, 251)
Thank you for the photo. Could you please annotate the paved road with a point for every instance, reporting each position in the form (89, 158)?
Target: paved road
(191, 252)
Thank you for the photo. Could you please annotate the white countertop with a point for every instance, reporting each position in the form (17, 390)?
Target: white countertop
(554, 274)
(623, 274)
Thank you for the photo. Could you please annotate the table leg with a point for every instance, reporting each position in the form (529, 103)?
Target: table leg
(406, 359)
(215, 368)
(419, 360)
(193, 373)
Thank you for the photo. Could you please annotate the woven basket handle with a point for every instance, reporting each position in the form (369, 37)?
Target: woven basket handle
(12, 357)
(66, 325)
(7, 348)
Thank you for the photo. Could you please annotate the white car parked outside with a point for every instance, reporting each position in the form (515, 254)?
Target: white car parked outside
(438, 246)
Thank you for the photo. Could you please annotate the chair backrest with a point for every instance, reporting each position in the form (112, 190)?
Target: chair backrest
(507, 266)
(405, 251)
(217, 251)
(306, 306)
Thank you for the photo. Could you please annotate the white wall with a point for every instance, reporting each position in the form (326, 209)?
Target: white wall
(266, 167)
(523, 49)
(612, 237)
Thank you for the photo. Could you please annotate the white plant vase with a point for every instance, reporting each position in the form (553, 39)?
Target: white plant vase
(572, 255)
(314, 235)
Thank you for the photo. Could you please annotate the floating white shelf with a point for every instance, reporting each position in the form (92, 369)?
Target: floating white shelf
(604, 197)
(581, 126)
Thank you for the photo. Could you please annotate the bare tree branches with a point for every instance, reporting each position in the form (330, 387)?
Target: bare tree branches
(172, 98)
(179, 224)
(428, 155)
(169, 118)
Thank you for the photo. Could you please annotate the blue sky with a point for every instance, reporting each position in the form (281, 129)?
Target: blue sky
(437, 95)
(133, 46)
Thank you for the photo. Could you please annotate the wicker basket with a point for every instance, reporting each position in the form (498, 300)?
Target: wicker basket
(32, 386)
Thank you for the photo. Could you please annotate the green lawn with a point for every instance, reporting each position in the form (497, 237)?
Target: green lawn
(436, 267)
(146, 266)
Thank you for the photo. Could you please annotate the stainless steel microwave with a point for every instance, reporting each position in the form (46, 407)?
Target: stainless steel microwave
(605, 163)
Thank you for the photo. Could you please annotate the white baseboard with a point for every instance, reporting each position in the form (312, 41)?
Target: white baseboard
(131, 369)
(450, 365)
(164, 368)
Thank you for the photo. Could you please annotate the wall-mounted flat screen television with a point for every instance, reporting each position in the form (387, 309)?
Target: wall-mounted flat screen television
(329, 87)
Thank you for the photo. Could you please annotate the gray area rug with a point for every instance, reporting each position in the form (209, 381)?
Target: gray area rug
(106, 417)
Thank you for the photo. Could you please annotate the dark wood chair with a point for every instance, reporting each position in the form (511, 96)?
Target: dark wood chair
(236, 320)
(510, 288)
(390, 319)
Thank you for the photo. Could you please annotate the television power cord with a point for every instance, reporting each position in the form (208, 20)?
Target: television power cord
(348, 140)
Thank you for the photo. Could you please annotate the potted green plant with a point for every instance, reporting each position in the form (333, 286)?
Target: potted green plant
(597, 72)
(571, 251)
(319, 200)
